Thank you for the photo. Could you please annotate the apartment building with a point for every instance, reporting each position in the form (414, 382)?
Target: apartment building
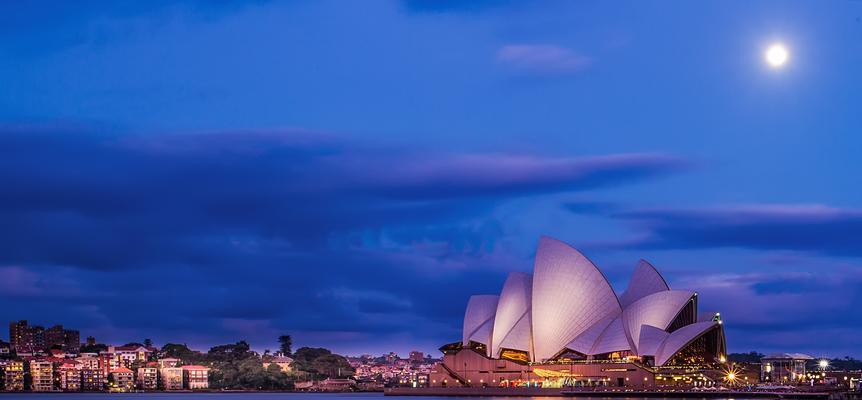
(171, 378)
(196, 377)
(13, 376)
(69, 374)
(148, 378)
(26, 339)
(92, 379)
(41, 376)
(122, 379)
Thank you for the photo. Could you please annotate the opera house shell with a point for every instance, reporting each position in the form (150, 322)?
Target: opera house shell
(567, 313)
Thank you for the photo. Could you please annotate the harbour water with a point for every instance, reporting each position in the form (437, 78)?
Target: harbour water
(262, 396)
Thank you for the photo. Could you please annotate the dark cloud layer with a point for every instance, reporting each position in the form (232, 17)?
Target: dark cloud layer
(820, 229)
(253, 233)
(780, 310)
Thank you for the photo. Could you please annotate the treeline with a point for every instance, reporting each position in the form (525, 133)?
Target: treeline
(235, 366)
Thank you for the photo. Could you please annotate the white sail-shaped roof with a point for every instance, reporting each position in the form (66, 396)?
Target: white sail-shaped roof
(483, 333)
(479, 318)
(584, 342)
(612, 339)
(680, 338)
(513, 311)
(570, 295)
(645, 281)
(519, 337)
(651, 338)
(657, 309)
(568, 304)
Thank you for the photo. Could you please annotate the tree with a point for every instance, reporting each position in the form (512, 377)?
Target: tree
(230, 352)
(751, 357)
(285, 342)
(332, 366)
(308, 354)
(93, 348)
(249, 373)
(182, 352)
(148, 343)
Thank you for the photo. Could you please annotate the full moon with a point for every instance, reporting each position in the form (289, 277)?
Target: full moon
(776, 55)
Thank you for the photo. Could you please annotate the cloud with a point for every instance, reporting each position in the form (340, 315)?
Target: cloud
(264, 231)
(811, 228)
(783, 310)
(542, 59)
(494, 174)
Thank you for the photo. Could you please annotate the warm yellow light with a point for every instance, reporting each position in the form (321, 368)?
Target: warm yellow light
(731, 376)
(777, 55)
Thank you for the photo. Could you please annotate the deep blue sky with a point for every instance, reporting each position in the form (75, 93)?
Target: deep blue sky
(350, 172)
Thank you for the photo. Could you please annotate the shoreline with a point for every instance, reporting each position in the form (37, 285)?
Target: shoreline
(532, 392)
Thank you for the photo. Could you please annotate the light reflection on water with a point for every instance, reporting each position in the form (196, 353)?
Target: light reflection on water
(277, 396)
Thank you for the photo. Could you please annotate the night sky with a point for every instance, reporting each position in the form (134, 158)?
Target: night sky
(350, 172)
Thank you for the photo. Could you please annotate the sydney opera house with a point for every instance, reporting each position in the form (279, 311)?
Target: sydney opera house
(565, 326)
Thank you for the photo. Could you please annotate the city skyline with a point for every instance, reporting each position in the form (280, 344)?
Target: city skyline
(351, 173)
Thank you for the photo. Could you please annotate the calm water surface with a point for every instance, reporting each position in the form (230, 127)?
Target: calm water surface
(270, 396)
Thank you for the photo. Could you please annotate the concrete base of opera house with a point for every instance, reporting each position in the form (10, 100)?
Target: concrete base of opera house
(468, 368)
(548, 392)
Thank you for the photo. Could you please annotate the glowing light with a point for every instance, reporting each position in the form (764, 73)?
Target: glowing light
(731, 373)
(823, 364)
(777, 55)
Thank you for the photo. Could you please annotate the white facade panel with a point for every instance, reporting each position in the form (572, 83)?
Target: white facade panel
(612, 339)
(585, 342)
(519, 337)
(651, 339)
(513, 308)
(677, 340)
(645, 281)
(657, 309)
(480, 311)
(570, 295)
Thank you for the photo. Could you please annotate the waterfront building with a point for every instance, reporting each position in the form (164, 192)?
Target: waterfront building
(67, 339)
(336, 385)
(26, 339)
(13, 376)
(565, 326)
(168, 362)
(122, 379)
(108, 362)
(784, 368)
(148, 378)
(171, 378)
(88, 361)
(282, 362)
(69, 373)
(92, 379)
(41, 376)
(195, 377)
(417, 356)
(129, 355)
